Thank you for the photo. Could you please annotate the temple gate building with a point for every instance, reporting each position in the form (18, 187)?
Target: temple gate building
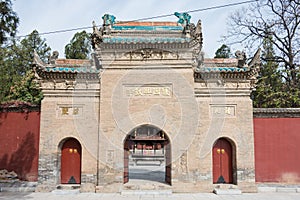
(147, 96)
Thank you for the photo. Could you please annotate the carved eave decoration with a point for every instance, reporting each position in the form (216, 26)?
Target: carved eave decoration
(56, 71)
(238, 71)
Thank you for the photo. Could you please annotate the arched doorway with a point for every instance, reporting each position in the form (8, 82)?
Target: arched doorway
(223, 162)
(147, 145)
(71, 162)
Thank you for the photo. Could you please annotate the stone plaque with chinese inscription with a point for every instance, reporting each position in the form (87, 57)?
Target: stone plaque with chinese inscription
(158, 91)
(69, 110)
(222, 110)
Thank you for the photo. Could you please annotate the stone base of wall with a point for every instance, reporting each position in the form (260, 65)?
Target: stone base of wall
(248, 187)
(182, 187)
(111, 188)
(45, 188)
(83, 188)
(87, 187)
(17, 186)
(179, 187)
(88, 178)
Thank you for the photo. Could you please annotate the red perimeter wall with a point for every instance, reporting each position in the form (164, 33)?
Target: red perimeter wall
(19, 143)
(276, 140)
(277, 149)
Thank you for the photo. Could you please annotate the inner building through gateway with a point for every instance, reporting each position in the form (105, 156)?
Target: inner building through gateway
(148, 111)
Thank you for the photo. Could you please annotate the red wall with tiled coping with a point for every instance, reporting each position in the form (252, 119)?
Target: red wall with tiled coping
(277, 149)
(277, 146)
(19, 143)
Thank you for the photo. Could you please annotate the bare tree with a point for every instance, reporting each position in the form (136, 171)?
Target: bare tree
(279, 19)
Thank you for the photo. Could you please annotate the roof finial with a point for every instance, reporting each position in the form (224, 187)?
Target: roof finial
(184, 18)
(108, 19)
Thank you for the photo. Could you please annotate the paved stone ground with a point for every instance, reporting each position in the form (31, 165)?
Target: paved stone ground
(147, 173)
(198, 196)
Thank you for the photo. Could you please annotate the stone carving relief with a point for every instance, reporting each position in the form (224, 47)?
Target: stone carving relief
(53, 57)
(196, 35)
(196, 32)
(110, 157)
(254, 69)
(147, 54)
(241, 56)
(183, 163)
(107, 170)
(67, 84)
(70, 84)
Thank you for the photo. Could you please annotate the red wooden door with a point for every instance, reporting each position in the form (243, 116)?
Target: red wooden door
(71, 162)
(126, 160)
(222, 162)
(168, 162)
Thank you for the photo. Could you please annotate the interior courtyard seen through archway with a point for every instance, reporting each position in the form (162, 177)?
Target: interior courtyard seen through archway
(147, 155)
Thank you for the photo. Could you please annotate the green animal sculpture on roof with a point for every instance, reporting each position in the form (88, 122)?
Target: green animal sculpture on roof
(108, 19)
(184, 18)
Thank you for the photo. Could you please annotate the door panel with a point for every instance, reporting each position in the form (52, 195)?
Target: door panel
(71, 162)
(126, 160)
(222, 162)
(168, 162)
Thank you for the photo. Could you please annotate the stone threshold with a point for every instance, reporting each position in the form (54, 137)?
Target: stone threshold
(144, 187)
(226, 189)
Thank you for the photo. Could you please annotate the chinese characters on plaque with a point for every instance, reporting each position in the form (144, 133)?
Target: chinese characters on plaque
(148, 91)
(222, 110)
(70, 110)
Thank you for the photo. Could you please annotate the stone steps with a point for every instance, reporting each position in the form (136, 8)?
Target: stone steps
(227, 189)
(68, 186)
(62, 192)
(146, 188)
(67, 189)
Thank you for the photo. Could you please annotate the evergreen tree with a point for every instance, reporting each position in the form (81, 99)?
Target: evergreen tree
(281, 20)
(8, 21)
(79, 46)
(26, 90)
(24, 51)
(16, 80)
(269, 86)
(223, 52)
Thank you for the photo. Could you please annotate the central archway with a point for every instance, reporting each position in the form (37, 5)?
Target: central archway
(144, 147)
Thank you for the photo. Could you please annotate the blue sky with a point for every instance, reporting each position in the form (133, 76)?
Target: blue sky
(52, 15)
